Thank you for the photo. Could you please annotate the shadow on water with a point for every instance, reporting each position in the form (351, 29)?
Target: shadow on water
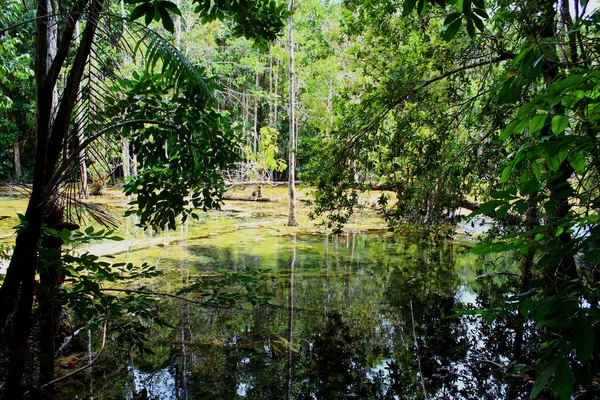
(354, 316)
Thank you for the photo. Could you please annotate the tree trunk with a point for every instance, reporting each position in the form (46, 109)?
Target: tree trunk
(125, 157)
(290, 327)
(17, 160)
(255, 127)
(178, 28)
(16, 151)
(51, 128)
(292, 139)
(272, 121)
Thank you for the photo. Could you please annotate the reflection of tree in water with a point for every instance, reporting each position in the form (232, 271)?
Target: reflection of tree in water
(337, 365)
(351, 330)
(461, 356)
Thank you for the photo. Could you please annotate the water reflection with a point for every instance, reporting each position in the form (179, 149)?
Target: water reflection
(356, 316)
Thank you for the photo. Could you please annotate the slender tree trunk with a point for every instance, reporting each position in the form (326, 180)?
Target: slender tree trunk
(330, 106)
(290, 327)
(134, 169)
(271, 101)
(255, 127)
(17, 160)
(559, 186)
(292, 139)
(125, 157)
(178, 28)
(16, 151)
(83, 172)
(275, 105)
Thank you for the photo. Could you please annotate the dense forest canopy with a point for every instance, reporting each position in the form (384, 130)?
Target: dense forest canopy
(438, 105)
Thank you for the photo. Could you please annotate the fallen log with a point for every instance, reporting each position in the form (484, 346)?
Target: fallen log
(254, 183)
(259, 199)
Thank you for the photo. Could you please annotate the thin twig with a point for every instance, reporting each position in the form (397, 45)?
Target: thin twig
(412, 316)
(174, 296)
(502, 57)
(84, 367)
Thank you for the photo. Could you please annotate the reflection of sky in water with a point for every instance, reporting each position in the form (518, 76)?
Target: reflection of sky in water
(465, 296)
(242, 389)
(159, 384)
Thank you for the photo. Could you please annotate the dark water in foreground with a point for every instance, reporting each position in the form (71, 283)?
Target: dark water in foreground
(354, 316)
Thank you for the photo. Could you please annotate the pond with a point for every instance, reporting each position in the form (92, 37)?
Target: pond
(367, 316)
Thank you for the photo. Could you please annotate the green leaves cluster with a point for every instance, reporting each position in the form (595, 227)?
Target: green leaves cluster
(155, 11)
(181, 156)
(260, 20)
(228, 288)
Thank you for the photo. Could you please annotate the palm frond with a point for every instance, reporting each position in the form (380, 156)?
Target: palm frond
(161, 55)
(94, 139)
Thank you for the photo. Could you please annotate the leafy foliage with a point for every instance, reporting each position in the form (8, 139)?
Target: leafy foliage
(180, 158)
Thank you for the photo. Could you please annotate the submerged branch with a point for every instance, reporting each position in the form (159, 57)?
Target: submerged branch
(412, 316)
(85, 366)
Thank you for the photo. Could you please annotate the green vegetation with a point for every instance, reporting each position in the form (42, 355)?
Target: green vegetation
(419, 111)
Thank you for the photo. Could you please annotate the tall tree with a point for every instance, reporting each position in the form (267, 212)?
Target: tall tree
(292, 123)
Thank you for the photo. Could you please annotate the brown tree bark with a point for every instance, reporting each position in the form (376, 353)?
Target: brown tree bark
(16, 294)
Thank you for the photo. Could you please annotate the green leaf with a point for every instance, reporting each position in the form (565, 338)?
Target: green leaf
(408, 6)
(470, 28)
(543, 377)
(167, 22)
(506, 173)
(452, 18)
(584, 339)
(149, 15)
(481, 12)
(478, 22)
(568, 82)
(559, 124)
(536, 167)
(553, 163)
(563, 380)
(466, 7)
(139, 11)
(508, 130)
(537, 123)
(578, 161)
(490, 206)
(488, 248)
(172, 7)
(563, 152)
(452, 30)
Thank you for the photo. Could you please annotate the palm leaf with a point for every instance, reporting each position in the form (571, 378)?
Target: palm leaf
(94, 139)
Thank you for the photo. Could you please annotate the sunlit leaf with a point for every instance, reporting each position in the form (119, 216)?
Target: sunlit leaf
(559, 124)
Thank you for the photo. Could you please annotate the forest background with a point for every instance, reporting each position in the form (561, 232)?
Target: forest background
(445, 104)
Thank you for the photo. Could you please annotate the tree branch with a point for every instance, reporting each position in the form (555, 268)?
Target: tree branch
(502, 57)
(85, 366)
(174, 296)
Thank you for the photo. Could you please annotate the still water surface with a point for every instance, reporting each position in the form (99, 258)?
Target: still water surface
(366, 316)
